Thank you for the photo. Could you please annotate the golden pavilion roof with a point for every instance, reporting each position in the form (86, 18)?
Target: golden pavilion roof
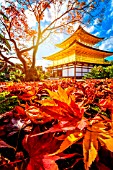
(81, 44)
(81, 36)
(79, 49)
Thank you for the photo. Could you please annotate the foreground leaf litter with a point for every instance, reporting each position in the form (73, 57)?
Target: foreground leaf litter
(56, 125)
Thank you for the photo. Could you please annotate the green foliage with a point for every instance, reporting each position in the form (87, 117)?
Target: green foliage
(43, 75)
(11, 74)
(100, 72)
(7, 102)
(4, 75)
(16, 75)
(4, 16)
(5, 41)
(36, 74)
(109, 70)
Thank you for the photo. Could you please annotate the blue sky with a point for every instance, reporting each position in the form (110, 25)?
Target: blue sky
(105, 29)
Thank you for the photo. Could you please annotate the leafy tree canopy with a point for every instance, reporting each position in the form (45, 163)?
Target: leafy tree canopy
(22, 38)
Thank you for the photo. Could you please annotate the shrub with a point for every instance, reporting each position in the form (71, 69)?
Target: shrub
(100, 72)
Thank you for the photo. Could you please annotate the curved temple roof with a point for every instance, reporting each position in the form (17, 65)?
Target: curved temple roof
(82, 36)
(79, 49)
(79, 44)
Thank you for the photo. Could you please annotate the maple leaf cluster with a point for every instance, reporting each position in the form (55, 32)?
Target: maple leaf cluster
(61, 124)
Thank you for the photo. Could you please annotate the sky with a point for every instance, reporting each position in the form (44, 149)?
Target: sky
(105, 29)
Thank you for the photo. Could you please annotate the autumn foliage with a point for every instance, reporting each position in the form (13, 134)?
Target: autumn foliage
(27, 24)
(57, 125)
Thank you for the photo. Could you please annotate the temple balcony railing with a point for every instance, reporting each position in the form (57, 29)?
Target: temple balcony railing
(79, 58)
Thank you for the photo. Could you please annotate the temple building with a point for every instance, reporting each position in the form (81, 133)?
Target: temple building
(77, 55)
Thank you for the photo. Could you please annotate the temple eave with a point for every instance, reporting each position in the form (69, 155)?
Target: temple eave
(82, 36)
(80, 50)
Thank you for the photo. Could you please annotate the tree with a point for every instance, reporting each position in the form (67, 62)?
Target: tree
(100, 72)
(24, 39)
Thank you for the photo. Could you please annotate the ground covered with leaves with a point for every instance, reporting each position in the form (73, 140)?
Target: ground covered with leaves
(56, 125)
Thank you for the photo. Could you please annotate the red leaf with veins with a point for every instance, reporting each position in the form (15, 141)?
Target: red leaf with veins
(39, 148)
(71, 113)
(20, 110)
(107, 104)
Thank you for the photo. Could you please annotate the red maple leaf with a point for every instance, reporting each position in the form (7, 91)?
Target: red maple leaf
(39, 148)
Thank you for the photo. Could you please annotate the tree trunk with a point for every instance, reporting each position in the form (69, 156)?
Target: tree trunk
(31, 75)
(36, 47)
(34, 57)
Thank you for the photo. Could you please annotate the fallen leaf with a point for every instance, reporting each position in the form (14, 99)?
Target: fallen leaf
(5, 145)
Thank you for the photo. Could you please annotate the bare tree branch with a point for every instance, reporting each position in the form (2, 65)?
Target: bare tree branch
(27, 49)
(6, 59)
(3, 67)
(45, 38)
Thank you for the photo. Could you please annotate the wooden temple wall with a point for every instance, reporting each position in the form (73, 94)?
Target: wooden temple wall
(77, 70)
(74, 65)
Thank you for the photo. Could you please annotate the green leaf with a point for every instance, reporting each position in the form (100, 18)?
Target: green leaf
(4, 16)
(2, 38)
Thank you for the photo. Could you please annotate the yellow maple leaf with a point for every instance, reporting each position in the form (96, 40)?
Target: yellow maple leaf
(107, 142)
(60, 95)
(68, 141)
(90, 148)
(53, 95)
(96, 131)
(92, 155)
(47, 102)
